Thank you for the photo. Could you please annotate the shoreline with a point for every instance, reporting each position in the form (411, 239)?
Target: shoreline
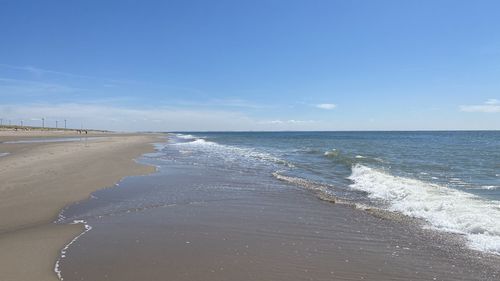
(202, 225)
(40, 179)
(342, 240)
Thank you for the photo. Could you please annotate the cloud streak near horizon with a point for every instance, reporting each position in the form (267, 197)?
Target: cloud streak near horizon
(146, 119)
(113, 104)
(327, 106)
(489, 106)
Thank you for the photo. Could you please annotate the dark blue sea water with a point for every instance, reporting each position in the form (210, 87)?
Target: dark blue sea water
(449, 179)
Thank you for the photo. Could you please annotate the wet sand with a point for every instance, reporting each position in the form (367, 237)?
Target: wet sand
(39, 179)
(199, 223)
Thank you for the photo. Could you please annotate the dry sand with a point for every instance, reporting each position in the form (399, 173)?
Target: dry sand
(37, 180)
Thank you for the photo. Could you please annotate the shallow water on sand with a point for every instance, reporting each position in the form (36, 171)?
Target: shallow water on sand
(196, 219)
(449, 179)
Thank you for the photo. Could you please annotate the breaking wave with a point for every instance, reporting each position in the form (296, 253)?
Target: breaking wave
(231, 151)
(443, 208)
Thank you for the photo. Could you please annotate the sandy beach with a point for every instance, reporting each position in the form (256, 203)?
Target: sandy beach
(205, 214)
(249, 140)
(39, 179)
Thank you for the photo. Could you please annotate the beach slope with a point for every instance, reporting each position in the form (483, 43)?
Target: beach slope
(39, 179)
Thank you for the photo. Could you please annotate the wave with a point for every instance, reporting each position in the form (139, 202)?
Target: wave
(4, 154)
(332, 153)
(457, 181)
(443, 208)
(302, 182)
(349, 160)
(233, 150)
(183, 136)
(490, 187)
(202, 142)
(309, 151)
(196, 141)
(486, 187)
(323, 191)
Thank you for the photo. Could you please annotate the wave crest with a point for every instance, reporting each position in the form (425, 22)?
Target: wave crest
(332, 153)
(443, 208)
(234, 150)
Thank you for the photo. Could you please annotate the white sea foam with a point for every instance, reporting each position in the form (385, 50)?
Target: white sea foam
(160, 145)
(182, 136)
(303, 182)
(331, 153)
(233, 150)
(484, 187)
(443, 208)
(324, 191)
(490, 187)
(202, 142)
(57, 266)
(4, 154)
(458, 181)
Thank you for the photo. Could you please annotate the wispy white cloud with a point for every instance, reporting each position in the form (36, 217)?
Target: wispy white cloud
(238, 103)
(127, 119)
(489, 106)
(290, 121)
(229, 102)
(19, 86)
(107, 82)
(327, 106)
(272, 122)
(110, 117)
(41, 71)
(492, 101)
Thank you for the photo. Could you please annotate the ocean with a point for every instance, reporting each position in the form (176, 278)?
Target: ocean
(450, 179)
(258, 206)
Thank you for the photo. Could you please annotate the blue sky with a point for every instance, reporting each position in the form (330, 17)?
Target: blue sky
(251, 65)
